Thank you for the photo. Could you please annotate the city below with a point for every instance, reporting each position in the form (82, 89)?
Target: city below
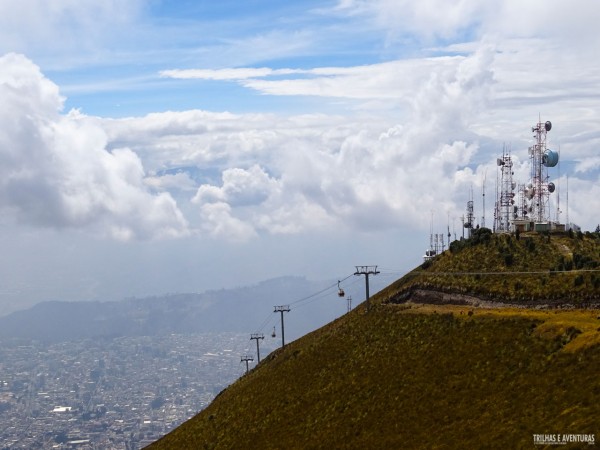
(111, 393)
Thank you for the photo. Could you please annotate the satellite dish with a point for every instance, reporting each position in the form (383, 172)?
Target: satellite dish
(548, 125)
(550, 158)
(530, 193)
(499, 162)
(551, 187)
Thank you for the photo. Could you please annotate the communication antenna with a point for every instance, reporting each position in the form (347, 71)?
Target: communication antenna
(483, 195)
(568, 224)
(558, 211)
(504, 207)
(454, 227)
(470, 215)
(433, 242)
(541, 158)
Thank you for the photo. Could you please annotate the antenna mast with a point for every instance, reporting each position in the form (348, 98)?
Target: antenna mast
(539, 189)
(558, 211)
(483, 195)
(470, 215)
(568, 225)
(505, 201)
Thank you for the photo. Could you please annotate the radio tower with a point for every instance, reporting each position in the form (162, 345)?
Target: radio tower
(470, 223)
(505, 202)
(539, 189)
(483, 201)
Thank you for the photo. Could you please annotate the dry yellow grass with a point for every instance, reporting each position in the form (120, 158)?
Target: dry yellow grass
(554, 322)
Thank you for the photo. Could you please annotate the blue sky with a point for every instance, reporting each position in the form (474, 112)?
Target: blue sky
(151, 147)
(213, 35)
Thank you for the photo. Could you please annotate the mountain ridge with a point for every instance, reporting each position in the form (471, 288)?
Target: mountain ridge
(238, 310)
(430, 374)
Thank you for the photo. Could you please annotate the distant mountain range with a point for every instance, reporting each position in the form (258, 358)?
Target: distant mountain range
(243, 309)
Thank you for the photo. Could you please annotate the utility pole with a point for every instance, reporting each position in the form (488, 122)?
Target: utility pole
(366, 271)
(257, 336)
(245, 359)
(281, 309)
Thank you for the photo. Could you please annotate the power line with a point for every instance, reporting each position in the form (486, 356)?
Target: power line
(320, 292)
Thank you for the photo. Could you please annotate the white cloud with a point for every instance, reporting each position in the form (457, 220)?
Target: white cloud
(426, 18)
(218, 221)
(176, 181)
(241, 187)
(589, 164)
(430, 20)
(584, 202)
(77, 28)
(294, 174)
(56, 170)
(226, 74)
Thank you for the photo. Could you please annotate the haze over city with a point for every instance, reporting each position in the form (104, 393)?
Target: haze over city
(152, 147)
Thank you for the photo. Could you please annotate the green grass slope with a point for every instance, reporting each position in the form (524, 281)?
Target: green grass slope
(414, 376)
(531, 269)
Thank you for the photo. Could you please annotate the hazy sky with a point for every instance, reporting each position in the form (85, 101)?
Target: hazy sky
(149, 146)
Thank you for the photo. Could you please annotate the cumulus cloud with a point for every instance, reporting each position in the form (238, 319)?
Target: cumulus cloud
(240, 188)
(218, 221)
(293, 174)
(56, 171)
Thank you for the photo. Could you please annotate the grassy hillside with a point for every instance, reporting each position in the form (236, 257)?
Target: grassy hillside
(529, 269)
(416, 375)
